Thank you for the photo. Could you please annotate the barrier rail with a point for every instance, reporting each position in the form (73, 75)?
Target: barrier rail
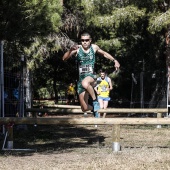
(84, 121)
(108, 110)
(116, 122)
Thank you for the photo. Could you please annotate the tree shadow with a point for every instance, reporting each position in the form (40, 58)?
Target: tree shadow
(51, 138)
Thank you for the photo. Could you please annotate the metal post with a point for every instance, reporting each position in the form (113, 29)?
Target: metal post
(116, 138)
(21, 108)
(141, 90)
(2, 81)
(28, 90)
(168, 92)
(132, 87)
(141, 86)
(133, 81)
(131, 99)
(159, 115)
(10, 137)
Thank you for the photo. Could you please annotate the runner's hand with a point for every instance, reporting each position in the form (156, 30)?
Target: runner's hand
(74, 47)
(117, 65)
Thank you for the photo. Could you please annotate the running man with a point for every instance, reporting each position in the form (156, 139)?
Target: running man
(85, 54)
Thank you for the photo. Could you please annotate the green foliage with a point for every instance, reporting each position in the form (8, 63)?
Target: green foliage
(45, 13)
(108, 44)
(41, 49)
(43, 93)
(159, 21)
(121, 28)
(30, 28)
(128, 15)
(27, 19)
(43, 31)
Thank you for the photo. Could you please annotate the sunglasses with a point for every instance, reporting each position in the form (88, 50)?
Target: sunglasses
(86, 40)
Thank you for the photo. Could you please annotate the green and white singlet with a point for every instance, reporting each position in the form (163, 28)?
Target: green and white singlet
(86, 66)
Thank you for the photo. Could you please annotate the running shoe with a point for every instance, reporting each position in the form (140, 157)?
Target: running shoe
(96, 106)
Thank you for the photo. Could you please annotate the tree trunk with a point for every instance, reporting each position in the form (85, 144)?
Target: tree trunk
(167, 35)
(55, 90)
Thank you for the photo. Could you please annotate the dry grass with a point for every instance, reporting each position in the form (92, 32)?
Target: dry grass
(87, 148)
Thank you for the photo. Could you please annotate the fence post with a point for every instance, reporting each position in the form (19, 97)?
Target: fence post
(10, 137)
(159, 115)
(116, 138)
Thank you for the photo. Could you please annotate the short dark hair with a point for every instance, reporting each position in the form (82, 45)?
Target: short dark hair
(102, 71)
(86, 34)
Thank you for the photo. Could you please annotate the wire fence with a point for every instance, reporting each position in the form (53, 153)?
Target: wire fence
(12, 93)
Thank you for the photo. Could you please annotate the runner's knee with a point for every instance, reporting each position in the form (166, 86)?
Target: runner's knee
(85, 84)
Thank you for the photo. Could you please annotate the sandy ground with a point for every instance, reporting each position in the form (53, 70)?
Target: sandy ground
(89, 148)
(91, 159)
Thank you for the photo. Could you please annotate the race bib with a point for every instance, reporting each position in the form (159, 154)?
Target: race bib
(103, 89)
(85, 69)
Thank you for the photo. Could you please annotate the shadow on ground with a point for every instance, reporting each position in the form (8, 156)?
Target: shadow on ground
(52, 138)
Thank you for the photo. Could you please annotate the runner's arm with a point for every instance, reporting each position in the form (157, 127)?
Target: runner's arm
(107, 55)
(110, 84)
(72, 51)
(96, 89)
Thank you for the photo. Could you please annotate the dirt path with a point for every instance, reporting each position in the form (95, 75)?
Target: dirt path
(88, 148)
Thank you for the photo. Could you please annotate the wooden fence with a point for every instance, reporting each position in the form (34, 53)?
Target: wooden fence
(67, 109)
(61, 110)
